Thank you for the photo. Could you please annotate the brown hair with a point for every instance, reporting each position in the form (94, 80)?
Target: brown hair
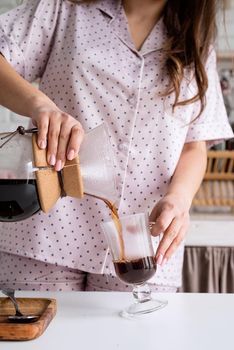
(191, 28)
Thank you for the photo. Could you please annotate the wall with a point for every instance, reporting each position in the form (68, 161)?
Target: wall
(10, 120)
(225, 42)
(8, 4)
(225, 50)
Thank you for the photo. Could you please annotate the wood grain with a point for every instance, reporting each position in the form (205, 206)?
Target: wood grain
(217, 188)
(48, 185)
(45, 308)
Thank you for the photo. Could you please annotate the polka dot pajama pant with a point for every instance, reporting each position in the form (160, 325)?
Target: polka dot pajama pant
(21, 273)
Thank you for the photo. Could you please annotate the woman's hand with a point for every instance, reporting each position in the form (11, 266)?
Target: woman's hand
(58, 129)
(171, 213)
(171, 217)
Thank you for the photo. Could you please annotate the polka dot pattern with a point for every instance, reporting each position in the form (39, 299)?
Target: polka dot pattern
(89, 67)
(22, 273)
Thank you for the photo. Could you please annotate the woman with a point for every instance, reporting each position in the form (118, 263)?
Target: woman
(148, 70)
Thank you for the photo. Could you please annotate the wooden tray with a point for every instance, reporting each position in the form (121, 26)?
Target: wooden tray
(45, 308)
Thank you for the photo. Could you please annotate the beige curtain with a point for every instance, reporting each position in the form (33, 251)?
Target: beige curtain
(208, 270)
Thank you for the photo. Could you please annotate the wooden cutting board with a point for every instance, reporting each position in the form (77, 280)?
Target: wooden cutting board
(45, 308)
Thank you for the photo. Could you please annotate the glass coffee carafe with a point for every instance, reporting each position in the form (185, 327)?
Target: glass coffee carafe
(19, 197)
(18, 189)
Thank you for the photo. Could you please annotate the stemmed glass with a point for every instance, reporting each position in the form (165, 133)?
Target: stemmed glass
(133, 258)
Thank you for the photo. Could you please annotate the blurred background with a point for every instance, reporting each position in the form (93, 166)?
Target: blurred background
(209, 252)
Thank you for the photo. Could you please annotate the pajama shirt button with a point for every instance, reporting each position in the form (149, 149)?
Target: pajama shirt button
(132, 100)
(122, 147)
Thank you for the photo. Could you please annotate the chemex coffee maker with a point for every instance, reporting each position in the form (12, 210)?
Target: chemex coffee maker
(29, 184)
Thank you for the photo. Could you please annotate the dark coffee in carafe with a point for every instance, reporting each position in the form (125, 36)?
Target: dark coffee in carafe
(18, 199)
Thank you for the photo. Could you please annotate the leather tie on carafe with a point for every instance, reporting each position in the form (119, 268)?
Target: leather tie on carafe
(20, 130)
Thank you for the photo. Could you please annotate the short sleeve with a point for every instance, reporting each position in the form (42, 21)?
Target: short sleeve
(212, 125)
(26, 36)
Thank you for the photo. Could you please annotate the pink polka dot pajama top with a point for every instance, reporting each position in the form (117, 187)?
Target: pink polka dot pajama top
(88, 65)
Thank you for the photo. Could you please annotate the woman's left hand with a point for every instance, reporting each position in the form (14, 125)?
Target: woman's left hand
(171, 217)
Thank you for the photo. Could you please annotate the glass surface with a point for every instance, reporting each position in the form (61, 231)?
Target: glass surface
(18, 199)
(134, 261)
(18, 189)
(97, 164)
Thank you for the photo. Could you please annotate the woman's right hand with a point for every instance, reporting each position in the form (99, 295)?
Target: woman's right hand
(57, 130)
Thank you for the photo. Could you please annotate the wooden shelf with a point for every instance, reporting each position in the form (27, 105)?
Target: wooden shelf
(217, 188)
(225, 55)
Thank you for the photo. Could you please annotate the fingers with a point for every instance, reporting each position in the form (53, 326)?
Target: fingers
(172, 238)
(63, 140)
(162, 222)
(42, 124)
(175, 243)
(63, 134)
(76, 139)
(53, 138)
(69, 141)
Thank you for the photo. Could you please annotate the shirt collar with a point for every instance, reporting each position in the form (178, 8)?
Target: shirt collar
(110, 7)
(118, 21)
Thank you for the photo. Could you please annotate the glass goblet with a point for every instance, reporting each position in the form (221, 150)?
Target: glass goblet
(133, 258)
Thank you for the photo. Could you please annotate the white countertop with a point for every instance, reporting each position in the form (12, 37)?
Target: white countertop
(90, 321)
(211, 230)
